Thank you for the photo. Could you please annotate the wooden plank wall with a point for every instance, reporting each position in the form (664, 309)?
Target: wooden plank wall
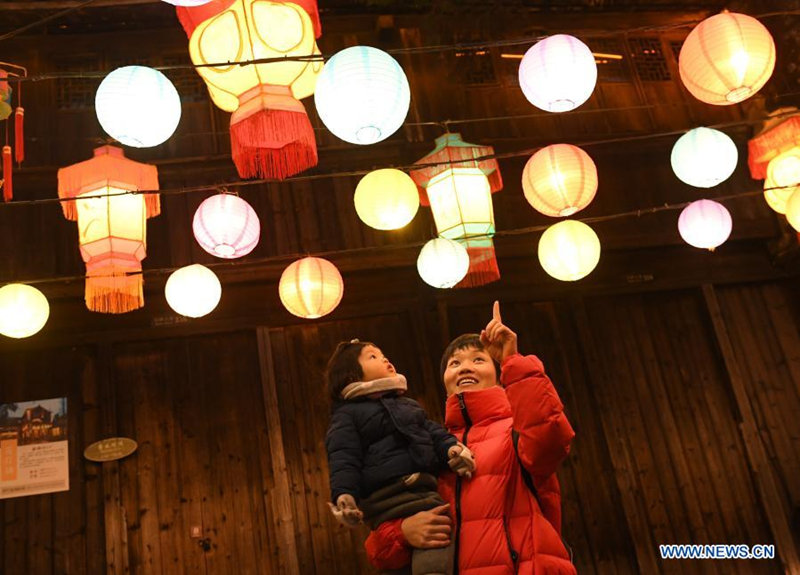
(659, 456)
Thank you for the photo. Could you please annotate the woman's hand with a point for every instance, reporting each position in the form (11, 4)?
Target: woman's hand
(428, 529)
(497, 338)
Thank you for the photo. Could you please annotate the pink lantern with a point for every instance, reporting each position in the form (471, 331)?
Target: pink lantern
(226, 226)
(705, 224)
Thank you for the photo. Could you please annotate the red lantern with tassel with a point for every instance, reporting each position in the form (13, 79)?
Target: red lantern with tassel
(112, 225)
(11, 70)
(271, 135)
(458, 185)
(780, 134)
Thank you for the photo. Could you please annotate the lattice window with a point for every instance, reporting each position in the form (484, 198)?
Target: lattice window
(474, 66)
(648, 60)
(77, 92)
(187, 81)
(610, 58)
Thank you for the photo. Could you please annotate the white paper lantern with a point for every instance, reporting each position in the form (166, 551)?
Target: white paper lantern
(23, 310)
(705, 224)
(386, 199)
(187, 2)
(193, 291)
(442, 263)
(226, 226)
(362, 95)
(138, 106)
(704, 157)
(558, 74)
(569, 250)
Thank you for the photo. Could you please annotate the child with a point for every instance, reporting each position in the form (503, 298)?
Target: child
(383, 451)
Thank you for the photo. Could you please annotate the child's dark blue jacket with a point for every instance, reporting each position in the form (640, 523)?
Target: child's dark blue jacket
(371, 442)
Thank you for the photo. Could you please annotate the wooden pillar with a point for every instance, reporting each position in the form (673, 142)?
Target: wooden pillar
(756, 454)
(279, 502)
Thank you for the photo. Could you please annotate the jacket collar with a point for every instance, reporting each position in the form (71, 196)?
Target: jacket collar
(483, 404)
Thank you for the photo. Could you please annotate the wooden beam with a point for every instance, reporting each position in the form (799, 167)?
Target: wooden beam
(766, 483)
(66, 4)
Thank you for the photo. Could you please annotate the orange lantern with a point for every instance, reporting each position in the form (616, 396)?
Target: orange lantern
(271, 135)
(457, 181)
(726, 59)
(311, 288)
(780, 134)
(112, 225)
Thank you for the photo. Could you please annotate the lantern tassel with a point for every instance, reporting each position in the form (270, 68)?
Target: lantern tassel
(111, 290)
(483, 267)
(271, 135)
(19, 135)
(8, 187)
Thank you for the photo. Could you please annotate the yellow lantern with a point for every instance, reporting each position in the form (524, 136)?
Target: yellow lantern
(793, 210)
(386, 199)
(23, 310)
(311, 288)
(569, 250)
(112, 224)
(271, 135)
(726, 59)
(559, 180)
(461, 202)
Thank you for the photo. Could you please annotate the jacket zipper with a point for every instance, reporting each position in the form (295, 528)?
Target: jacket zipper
(467, 424)
(514, 555)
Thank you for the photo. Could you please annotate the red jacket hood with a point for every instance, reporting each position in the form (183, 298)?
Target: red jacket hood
(483, 405)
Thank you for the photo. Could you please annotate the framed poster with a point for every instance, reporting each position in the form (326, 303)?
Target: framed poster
(34, 454)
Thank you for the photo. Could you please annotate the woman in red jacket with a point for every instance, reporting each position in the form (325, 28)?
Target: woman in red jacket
(499, 525)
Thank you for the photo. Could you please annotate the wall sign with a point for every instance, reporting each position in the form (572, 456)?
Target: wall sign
(110, 449)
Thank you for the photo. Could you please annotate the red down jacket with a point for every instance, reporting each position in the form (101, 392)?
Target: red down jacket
(499, 526)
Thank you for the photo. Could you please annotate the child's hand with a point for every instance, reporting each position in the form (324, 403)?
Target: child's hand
(346, 511)
(461, 460)
(497, 338)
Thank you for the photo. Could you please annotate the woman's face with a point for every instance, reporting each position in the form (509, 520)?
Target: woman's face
(469, 369)
(374, 364)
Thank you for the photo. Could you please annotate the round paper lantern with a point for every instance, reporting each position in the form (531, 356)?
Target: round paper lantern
(793, 210)
(362, 95)
(569, 250)
(226, 226)
(558, 74)
(704, 157)
(23, 310)
(138, 106)
(726, 59)
(386, 199)
(705, 224)
(311, 288)
(559, 180)
(777, 196)
(193, 291)
(187, 2)
(442, 263)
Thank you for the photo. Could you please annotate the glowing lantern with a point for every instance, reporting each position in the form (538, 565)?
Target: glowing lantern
(226, 226)
(558, 74)
(705, 224)
(780, 134)
(569, 250)
(457, 180)
(777, 197)
(783, 178)
(442, 263)
(187, 2)
(23, 310)
(386, 199)
(112, 224)
(271, 135)
(193, 291)
(311, 288)
(362, 95)
(559, 180)
(793, 210)
(138, 106)
(726, 59)
(704, 157)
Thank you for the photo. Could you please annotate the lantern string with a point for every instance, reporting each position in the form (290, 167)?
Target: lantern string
(639, 212)
(363, 172)
(436, 48)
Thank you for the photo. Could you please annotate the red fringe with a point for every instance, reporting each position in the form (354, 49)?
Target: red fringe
(8, 186)
(113, 291)
(273, 144)
(19, 135)
(483, 267)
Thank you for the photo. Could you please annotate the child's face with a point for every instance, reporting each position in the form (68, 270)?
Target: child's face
(469, 369)
(374, 364)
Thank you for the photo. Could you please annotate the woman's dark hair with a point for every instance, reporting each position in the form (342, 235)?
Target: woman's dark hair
(343, 367)
(464, 341)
